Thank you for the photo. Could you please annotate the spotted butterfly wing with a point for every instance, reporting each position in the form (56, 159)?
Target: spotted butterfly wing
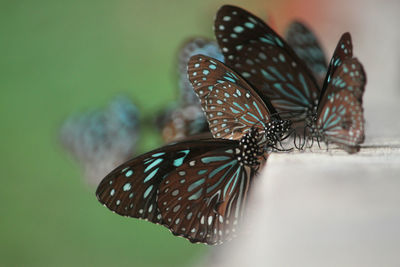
(131, 189)
(231, 105)
(341, 121)
(307, 48)
(340, 117)
(266, 61)
(203, 199)
(348, 76)
(343, 51)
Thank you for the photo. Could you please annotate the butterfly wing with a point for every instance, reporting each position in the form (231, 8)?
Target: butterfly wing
(231, 106)
(348, 76)
(343, 51)
(264, 59)
(307, 48)
(131, 189)
(203, 199)
(189, 49)
(341, 120)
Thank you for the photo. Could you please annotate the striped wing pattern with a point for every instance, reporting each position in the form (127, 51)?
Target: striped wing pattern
(264, 59)
(307, 48)
(131, 189)
(232, 107)
(203, 199)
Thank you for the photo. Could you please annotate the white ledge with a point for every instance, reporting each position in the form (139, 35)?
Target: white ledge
(322, 209)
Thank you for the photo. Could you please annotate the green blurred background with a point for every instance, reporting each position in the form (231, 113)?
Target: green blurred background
(57, 57)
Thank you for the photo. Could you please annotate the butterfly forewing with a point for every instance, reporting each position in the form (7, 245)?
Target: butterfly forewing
(264, 59)
(341, 120)
(348, 76)
(232, 111)
(203, 199)
(343, 51)
(131, 189)
(307, 48)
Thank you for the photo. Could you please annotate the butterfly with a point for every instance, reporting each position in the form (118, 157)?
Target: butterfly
(185, 118)
(197, 189)
(102, 139)
(231, 105)
(278, 75)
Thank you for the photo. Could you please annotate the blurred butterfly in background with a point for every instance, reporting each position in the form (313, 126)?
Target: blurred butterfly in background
(279, 75)
(102, 139)
(184, 118)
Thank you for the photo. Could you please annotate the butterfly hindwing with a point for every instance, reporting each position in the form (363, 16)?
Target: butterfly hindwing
(307, 48)
(203, 199)
(341, 120)
(266, 61)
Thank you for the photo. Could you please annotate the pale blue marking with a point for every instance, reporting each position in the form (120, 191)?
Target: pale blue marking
(229, 79)
(276, 73)
(206, 72)
(233, 178)
(284, 92)
(265, 40)
(234, 110)
(201, 172)
(267, 75)
(150, 176)
(246, 120)
(258, 109)
(147, 192)
(299, 94)
(127, 187)
(249, 25)
(278, 42)
(196, 195)
(156, 162)
(131, 195)
(326, 114)
(196, 184)
(213, 67)
(247, 106)
(238, 29)
(226, 95)
(207, 160)
(237, 105)
(281, 57)
(158, 154)
(303, 83)
(129, 173)
(178, 162)
(210, 87)
(112, 192)
(290, 76)
(232, 165)
(238, 92)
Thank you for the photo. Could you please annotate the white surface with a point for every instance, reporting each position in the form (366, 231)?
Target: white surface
(322, 209)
